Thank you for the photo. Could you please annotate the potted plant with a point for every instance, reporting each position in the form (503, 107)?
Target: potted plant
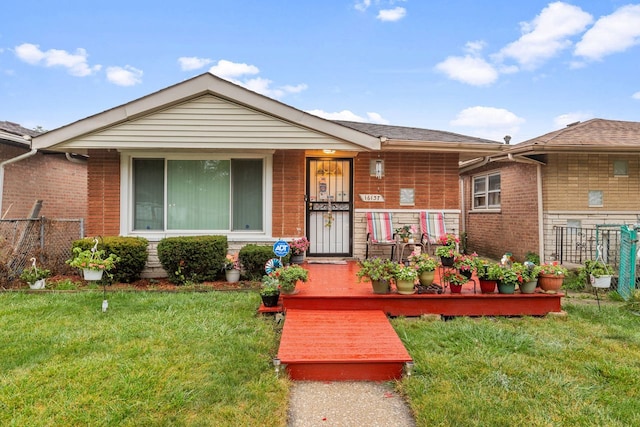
(34, 276)
(379, 271)
(551, 276)
(455, 280)
(288, 276)
(405, 232)
(231, 267)
(599, 273)
(424, 265)
(465, 264)
(509, 278)
(298, 248)
(92, 262)
(488, 274)
(447, 249)
(405, 279)
(270, 291)
(529, 272)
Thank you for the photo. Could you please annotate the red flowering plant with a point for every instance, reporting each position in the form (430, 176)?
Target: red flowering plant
(299, 246)
(449, 239)
(452, 277)
(465, 262)
(554, 269)
(231, 262)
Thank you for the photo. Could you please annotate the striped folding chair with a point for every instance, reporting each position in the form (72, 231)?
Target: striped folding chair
(432, 227)
(380, 231)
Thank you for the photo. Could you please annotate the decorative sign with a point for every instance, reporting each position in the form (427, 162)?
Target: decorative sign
(371, 197)
(281, 248)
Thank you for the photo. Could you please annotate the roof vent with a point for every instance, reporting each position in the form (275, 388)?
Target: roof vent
(573, 124)
(507, 138)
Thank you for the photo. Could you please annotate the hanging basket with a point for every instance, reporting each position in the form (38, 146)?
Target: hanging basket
(602, 282)
(92, 274)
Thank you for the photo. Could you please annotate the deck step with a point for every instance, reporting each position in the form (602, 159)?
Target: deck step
(341, 345)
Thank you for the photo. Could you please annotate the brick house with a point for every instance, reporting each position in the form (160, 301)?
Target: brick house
(583, 175)
(206, 156)
(27, 175)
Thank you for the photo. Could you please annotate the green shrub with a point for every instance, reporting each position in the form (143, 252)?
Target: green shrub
(192, 258)
(132, 251)
(254, 257)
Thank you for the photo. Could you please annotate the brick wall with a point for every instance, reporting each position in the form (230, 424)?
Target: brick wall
(103, 217)
(59, 183)
(434, 176)
(569, 177)
(515, 227)
(288, 193)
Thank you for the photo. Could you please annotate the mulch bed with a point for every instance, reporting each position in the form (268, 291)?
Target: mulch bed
(162, 285)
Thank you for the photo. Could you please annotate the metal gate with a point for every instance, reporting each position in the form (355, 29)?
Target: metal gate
(627, 273)
(329, 206)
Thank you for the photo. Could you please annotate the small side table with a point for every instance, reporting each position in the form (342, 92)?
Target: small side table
(403, 245)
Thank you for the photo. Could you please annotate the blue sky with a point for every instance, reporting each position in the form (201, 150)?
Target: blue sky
(480, 68)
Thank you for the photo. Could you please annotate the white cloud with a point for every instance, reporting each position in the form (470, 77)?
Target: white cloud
(568, 118)
(124, 76)
(188, 63)
(489, 122)
(636, 95)
(229, 70)
(392, 15)
(546, 35)
(468, 69)
(75, 63)
(350, 116)
(362, 5)
(234, 72)
(613, 33)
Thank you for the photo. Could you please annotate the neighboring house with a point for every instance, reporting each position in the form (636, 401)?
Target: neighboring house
(206, 156)
(27, 175)
(584, 175)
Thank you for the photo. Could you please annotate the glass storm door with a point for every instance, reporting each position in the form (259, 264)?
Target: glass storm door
(329, 206)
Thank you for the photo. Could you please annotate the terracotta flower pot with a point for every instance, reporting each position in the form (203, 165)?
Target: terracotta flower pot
(550, 282)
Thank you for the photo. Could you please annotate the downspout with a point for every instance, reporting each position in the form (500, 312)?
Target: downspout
(13, 160)
(540, 214)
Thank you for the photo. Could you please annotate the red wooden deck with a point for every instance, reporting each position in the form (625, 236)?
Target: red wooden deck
(341, 345)
(336, 287)
(336, 328)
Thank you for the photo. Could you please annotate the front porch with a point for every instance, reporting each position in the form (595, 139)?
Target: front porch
(336, 287)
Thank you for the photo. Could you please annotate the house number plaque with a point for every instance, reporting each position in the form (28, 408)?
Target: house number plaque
(371, 197)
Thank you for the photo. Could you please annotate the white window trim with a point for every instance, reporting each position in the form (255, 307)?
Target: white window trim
(126, 194)
(487, 208)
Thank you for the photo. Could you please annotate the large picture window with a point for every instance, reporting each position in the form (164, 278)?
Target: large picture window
(212, 195)
(486, 191)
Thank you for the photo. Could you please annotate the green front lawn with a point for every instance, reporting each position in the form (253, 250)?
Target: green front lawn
(205, 359)
(583, 370)
(151, 359)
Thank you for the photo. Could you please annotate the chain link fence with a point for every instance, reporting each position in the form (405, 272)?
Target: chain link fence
(47, 240)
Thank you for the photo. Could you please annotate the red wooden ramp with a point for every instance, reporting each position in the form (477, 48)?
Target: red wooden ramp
(333, 345)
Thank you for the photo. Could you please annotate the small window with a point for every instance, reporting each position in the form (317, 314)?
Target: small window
(620, 168)
(486, 191)
(595, 198)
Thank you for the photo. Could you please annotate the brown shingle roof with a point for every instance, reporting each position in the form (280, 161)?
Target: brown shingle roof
(594, 133)
(411, 134)
(16, 129)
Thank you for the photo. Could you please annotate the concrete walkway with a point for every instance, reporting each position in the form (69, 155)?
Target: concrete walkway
(347, 404)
